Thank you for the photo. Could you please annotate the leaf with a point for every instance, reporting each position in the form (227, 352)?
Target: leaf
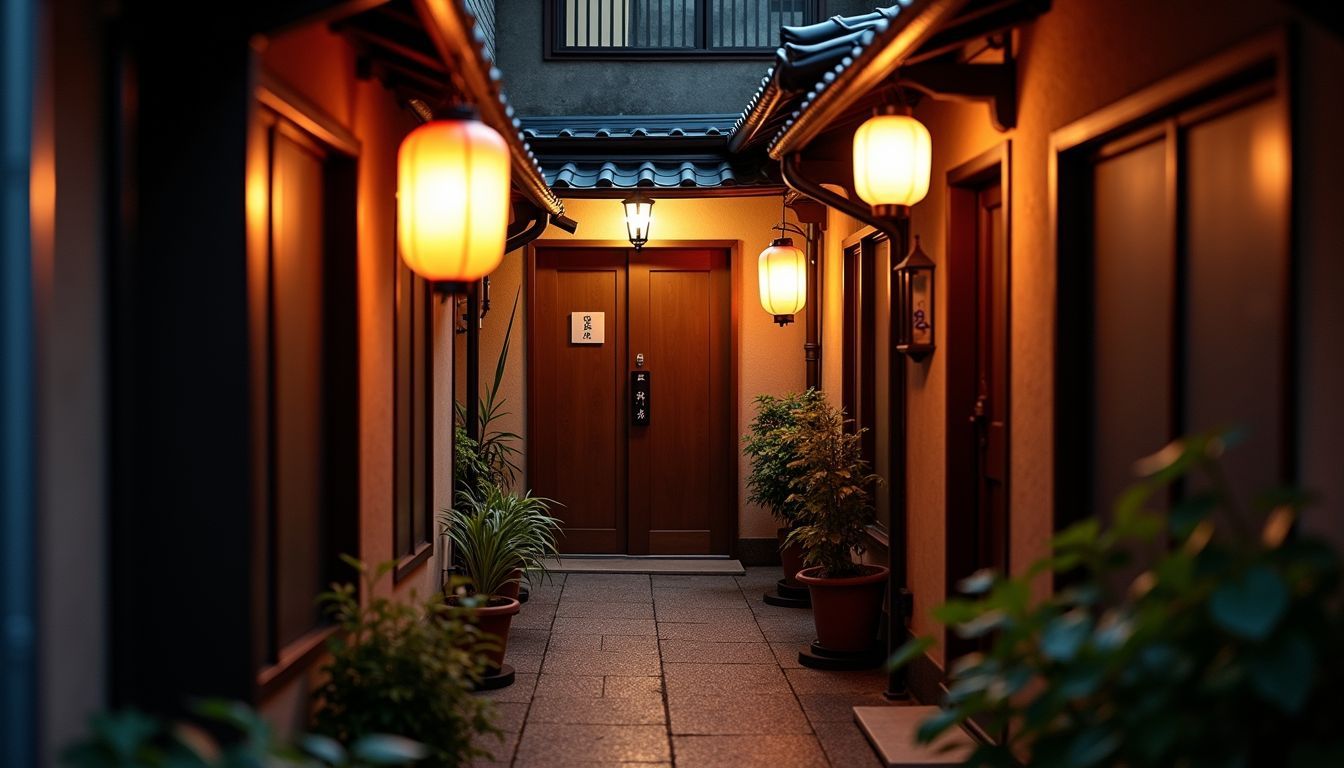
(1065, 635)
(388, 750)
(1250, 606)
(1091, 746)
(936, 723)
(912, 650)
(1283, 674)
(977, 583)
(324, 748)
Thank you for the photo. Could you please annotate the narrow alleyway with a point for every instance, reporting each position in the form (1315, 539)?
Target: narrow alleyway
(691, 671)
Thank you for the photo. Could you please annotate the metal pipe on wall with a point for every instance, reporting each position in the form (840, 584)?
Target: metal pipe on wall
(812, 318)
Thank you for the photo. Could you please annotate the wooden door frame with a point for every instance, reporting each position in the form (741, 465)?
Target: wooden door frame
(734, 249)
(964, 183)
(1264, 61)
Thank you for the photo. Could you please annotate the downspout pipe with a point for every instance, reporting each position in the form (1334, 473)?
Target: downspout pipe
(812, 330)
(791, 168)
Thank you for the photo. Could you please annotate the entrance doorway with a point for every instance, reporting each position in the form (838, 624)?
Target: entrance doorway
(977, 374)
(629, 397)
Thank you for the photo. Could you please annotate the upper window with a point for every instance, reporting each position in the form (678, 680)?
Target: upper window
(652, 29)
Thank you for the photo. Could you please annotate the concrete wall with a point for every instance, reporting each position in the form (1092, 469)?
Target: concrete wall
(1079, 57)
(321, 67)
(770, 358)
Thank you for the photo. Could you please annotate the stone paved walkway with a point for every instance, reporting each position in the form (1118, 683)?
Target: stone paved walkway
(692, 671)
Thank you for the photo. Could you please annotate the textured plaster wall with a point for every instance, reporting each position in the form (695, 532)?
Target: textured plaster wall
(770, 358)
(321, 67)
(1079, 57)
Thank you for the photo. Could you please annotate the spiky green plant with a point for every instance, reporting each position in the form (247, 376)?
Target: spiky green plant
(495, 532)
(493, 458)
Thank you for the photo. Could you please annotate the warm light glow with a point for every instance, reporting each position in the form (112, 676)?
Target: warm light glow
(452, 200)
(638, 218)
(783, 275)
(892, 156)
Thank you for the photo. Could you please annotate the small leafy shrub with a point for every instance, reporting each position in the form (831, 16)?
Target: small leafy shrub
(1224, 651)
(495, 532)
(831, 490)
(405, 668)
(771, 448)
(133, 739)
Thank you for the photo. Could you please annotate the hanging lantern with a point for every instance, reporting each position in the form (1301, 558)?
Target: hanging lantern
(914, 297)
(638, 218)
(452, 200)
(783, 274)
(892, 158)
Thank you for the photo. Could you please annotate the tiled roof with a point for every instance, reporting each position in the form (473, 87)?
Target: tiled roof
(701, 173)
(807, 55)
(629, 127)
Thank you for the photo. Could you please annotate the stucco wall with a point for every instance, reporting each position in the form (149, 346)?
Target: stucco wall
(770, 358)
(1079, 57)
(321, 67)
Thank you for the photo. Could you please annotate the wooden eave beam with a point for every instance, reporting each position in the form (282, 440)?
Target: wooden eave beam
(987, 21)
(910, 30)
(444, 21)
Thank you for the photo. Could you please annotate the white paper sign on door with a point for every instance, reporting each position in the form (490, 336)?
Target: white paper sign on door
(587, 327)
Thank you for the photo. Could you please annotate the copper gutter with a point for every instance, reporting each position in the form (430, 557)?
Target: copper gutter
(452, 30)
(878, 61)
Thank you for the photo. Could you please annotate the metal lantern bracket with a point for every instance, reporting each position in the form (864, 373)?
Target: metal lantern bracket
(964, 82)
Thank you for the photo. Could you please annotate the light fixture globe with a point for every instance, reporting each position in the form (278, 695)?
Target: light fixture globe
(638, 218)
(782, 270)
(452, 200)
(892, 159)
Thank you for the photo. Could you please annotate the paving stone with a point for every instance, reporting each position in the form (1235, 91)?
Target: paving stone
(509, 715)
(724, 679)
(627, 580)
(821, 681)
(602, 610)
(528, 640)
(839, 707)
(521, 690)
(736, 714)
(642, 644)
(845, 745)
(523, 662)
(788, 629)
(689, 581)
(568, 686)
(571, 625)
(555, 745)
(757, 751)
(741, 632)
(534, 617)
(721, 653)
(786, 654)
(698, 614)
(622, 686)
(500, 749)
(636, 710)
(600, 663)
(575, 643)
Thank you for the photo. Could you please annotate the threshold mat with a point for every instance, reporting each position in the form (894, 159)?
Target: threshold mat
(679, 566)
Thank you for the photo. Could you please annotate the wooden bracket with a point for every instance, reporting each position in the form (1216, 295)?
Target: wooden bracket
(992, 83)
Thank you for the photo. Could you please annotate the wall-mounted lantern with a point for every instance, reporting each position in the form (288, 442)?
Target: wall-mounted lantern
(892, 159)
(452, 200)
(638, 218)
(783, 274)
(914, 296)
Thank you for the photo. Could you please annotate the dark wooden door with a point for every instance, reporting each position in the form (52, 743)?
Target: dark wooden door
(659, 488)
(989, 413)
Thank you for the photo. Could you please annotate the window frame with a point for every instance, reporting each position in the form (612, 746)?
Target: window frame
(404, 387)
(555, 48)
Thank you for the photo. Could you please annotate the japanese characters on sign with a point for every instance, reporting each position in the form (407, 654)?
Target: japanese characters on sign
(587, 327)
(639, 398)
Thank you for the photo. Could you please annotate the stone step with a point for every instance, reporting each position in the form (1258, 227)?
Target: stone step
(891, 730)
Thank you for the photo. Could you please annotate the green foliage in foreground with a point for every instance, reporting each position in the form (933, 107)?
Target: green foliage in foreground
(133, 739)
(1225, 650)
(403, 667)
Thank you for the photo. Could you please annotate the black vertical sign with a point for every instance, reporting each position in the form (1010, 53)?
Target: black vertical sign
(639, 398)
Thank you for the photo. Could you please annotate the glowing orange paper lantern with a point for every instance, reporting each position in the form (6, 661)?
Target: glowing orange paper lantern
(892, 159)
(452, 200)
(783, 274)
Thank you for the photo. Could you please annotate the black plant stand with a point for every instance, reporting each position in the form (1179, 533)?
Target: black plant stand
(815, 656)
(787, 596)
(500, 678)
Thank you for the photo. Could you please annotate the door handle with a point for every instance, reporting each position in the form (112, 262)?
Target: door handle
(978, 412)
(639, 360)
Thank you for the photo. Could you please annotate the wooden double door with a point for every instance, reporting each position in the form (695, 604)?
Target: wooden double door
(629, 397)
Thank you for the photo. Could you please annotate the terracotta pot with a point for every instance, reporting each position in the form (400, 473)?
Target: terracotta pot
(846, 610)
(791, 557)
(510, 588)
(494, 618)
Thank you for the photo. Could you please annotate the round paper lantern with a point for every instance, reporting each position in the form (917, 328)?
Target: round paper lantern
(783, 274)
(892, 157)
(452, 200)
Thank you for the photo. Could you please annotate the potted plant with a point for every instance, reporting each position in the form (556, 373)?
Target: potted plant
(771, 447)
(831, 489)
(1196, 632)
(498, 537)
